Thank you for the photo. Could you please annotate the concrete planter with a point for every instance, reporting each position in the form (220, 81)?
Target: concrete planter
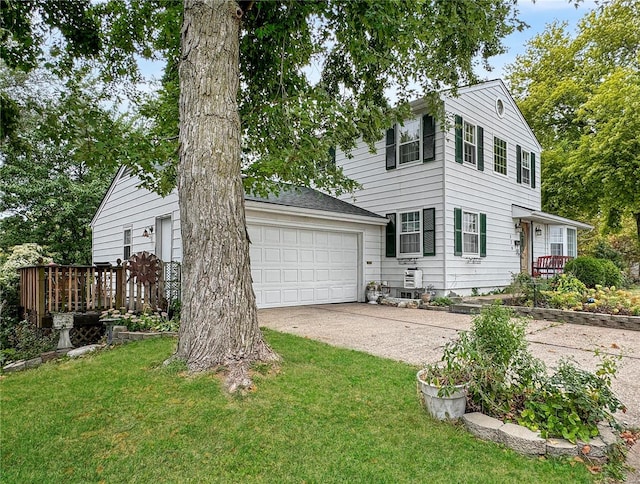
(448, 407)
(63, 322)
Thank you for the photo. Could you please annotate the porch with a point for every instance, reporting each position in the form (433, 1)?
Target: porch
(143, 281)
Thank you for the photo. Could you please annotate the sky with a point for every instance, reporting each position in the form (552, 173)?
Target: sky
(537, 15)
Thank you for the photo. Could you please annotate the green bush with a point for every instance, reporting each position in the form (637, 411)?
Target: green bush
(611, 273)
(572, 402)
(27, 341)
(588, 269)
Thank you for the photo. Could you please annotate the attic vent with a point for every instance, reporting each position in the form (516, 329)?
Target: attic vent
(500, 107)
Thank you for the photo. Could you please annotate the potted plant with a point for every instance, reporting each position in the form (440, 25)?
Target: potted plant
(373, 292)
(443, 385)
(427, 294)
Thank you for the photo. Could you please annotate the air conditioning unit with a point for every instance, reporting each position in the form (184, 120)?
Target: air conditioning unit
(412, 279)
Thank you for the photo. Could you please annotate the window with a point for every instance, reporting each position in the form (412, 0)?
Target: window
(556, 241)
(499, 156)
(526, 167)
(500, 107)
(470, 233)
(412, 141)
(409, 141)
(410, 232)
(127, 244)
(469, 143)
(572, 243)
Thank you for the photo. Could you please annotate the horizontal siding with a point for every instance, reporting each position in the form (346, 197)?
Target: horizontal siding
(487, 191)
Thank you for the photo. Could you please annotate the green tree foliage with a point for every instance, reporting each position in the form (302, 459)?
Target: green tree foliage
(581, 96)
(53, 172)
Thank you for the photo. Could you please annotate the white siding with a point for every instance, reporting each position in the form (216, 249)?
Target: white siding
(138, 208)
(444, 185)
(487, 191)
(126, 205)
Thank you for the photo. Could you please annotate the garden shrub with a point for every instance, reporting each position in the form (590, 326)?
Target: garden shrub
(592, 271)
(501, 366)
(572, 402)
(147, 320)
(26, 341)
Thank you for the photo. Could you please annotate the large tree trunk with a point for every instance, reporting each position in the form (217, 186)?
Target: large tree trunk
(219, 323)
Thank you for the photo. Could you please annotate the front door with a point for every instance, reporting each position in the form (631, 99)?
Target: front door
(525, 247)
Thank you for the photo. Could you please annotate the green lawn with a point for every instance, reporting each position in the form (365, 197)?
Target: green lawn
(329, 415)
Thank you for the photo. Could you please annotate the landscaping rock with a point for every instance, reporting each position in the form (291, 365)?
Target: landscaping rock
(74, 353)
(561, 448)
(15, 366)
(594, 449)
(607, 435)
(33, 362)
(522, 440)
(482, 426)
(48, 356)
(118, 329)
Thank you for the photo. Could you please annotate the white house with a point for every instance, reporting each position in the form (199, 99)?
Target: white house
(460, 205)
(463, 202)
(306, 247)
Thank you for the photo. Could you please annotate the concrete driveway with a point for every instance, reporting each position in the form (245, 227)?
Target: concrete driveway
(417, 336)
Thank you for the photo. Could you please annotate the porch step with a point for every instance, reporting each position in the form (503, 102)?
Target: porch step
(465, 308)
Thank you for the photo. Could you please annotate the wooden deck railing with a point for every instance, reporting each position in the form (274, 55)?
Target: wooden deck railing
(135, 284)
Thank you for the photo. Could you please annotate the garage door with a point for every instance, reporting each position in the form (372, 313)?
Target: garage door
(292, 267)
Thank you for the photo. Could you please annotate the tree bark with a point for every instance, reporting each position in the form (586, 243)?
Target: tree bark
(219, 322)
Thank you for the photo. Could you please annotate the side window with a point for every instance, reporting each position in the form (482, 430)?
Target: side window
(526, 168)
(557, 241)
(499, 156)
(410, 232)
(469, 143)
(572, 243)
(126, 244)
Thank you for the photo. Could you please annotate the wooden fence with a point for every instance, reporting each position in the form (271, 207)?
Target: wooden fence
(137, 283)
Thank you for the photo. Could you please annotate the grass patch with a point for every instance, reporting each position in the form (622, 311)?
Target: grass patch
(329, 415)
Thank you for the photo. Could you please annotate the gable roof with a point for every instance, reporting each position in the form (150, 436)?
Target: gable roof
(289, 195)
(304, 197)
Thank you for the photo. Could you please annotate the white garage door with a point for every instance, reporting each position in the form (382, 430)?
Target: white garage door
(292, 267)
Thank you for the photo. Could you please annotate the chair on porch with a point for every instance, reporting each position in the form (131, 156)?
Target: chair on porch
(549, 265)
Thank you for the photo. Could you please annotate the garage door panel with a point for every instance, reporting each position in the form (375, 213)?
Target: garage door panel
(271, 255)
(293, 266)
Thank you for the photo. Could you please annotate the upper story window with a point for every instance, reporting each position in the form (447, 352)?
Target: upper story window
(469, 139)
(499, 156)
(470, 233)
(526, 167)
(409, 141)
(126, 244)
(410, 232)
(469, 143)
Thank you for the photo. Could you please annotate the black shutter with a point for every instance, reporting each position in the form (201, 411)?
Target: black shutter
(332, 155)
(429, 231)
(428, 138)
(533, 170)
(518, 164)
(483, 235)
(390, 236)
(458, 139)
(480, 148)
(391, 148)
(457, 231)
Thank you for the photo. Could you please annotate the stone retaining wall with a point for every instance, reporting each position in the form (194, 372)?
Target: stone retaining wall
(524, 441)
(581, 317)
(121, 335)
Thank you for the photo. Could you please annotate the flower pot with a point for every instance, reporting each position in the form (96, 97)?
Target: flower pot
(449, 407)
(373, 295)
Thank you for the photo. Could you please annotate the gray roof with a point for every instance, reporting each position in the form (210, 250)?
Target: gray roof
(303, 197)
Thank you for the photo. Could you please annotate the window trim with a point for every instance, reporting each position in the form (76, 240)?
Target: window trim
(473, 144)
(125, 245)
(526, 156)
(399, 143)
(477, 234)
(495, 155)
(400, 233)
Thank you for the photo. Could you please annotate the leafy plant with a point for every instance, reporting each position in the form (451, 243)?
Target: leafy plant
(27, 341)
(572, 402)
(441, 301)
(147, 320)
(592, 271)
